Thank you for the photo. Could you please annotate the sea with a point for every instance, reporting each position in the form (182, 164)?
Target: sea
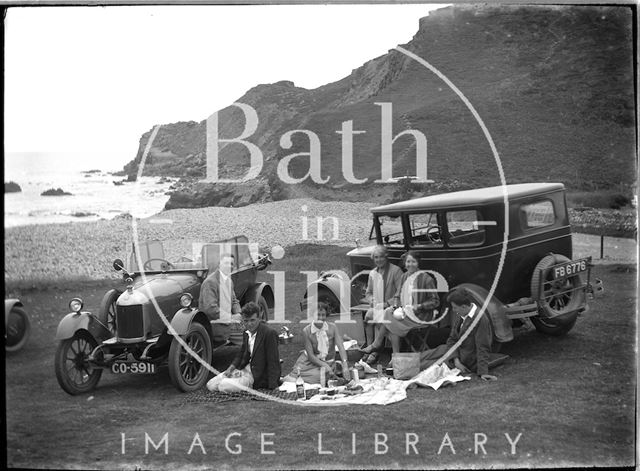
(89, 179)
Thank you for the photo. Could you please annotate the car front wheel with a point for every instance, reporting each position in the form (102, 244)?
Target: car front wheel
(73, 371)
(186, 371)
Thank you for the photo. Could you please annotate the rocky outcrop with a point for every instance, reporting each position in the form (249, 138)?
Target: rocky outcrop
(12, 187)
(202, 194)
(55, 192)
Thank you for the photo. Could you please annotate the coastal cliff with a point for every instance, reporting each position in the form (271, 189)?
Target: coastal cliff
(553, 85)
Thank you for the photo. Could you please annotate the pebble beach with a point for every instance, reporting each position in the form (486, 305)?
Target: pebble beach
(86, 250)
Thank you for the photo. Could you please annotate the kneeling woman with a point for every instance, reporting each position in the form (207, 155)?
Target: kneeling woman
(320, 341)
(416, 296)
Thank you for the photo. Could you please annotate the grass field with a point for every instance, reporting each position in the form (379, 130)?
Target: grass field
(567, 401)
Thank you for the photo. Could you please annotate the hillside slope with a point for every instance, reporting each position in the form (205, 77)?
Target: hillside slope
(554, 86)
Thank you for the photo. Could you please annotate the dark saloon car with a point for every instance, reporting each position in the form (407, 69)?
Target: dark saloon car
(152, 321)
(463, 238)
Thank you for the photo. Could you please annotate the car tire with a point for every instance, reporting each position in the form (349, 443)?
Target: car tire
(18, 328)
(557, 314)
(325, 295)
(107, 312)
(187, 373)
(73, 376)
(264, 309)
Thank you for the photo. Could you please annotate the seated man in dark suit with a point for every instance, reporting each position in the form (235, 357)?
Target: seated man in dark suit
(472, 355)
(257, 364)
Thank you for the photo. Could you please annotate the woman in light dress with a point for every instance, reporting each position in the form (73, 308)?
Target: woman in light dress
(317, 360)
(413, 305)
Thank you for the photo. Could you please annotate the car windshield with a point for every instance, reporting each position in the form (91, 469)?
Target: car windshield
(152, 256)
(390, 229)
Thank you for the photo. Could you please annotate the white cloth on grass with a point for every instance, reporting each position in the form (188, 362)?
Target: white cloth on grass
(239, 380)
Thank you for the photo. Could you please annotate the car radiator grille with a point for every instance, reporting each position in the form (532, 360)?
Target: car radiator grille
(130, 322)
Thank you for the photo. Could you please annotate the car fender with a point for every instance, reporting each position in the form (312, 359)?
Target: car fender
(496, 311)
(183, 318)
(334, 284)
(259, 289)
(9, 304)
(75, 321)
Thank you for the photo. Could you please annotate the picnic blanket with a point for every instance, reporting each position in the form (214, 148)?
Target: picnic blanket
(205, 396)
(385, 390)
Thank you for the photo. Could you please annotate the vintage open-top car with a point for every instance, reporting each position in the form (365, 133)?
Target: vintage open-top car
(130, 333)
(459, 238)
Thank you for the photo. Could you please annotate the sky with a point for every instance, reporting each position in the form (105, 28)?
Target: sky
(94, 79)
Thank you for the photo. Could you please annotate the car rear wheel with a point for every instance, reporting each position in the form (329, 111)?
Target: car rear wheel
(559, 299)
(186, 371)
(326, 296)
(107, 313)
(18, 329)
(73, 371)
(264, 309)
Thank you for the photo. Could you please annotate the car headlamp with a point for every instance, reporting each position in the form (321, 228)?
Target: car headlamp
(185, 300)
(76, 304)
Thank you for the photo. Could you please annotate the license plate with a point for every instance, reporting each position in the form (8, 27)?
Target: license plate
(570, 268)
(133, 367)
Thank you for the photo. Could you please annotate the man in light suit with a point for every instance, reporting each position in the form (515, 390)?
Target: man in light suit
(218, 300)
(217, 293)
(257, 364)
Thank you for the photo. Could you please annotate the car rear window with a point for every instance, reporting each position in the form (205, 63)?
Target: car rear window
(538, 214)
(465, 228)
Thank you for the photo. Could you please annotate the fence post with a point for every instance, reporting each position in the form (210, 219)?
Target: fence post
(601, 246)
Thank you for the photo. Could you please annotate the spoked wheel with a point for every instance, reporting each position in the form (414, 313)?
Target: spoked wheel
(73, 371)
(264, 309)
(107, 313)
(18, 329)
(186, 371)
(559, 299)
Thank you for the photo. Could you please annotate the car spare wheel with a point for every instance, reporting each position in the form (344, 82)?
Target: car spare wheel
(189, 372)
(558, 301)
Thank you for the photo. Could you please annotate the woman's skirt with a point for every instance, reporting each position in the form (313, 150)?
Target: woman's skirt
(400, 327)
(310, 373)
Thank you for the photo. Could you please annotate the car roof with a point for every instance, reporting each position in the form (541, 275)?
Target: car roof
(479, 196)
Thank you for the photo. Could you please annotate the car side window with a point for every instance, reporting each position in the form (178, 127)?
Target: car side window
(465, 228)
(425, 230)
(538, 214)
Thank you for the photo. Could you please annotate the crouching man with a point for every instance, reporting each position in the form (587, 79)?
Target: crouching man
(257, 364)
(473, 353)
